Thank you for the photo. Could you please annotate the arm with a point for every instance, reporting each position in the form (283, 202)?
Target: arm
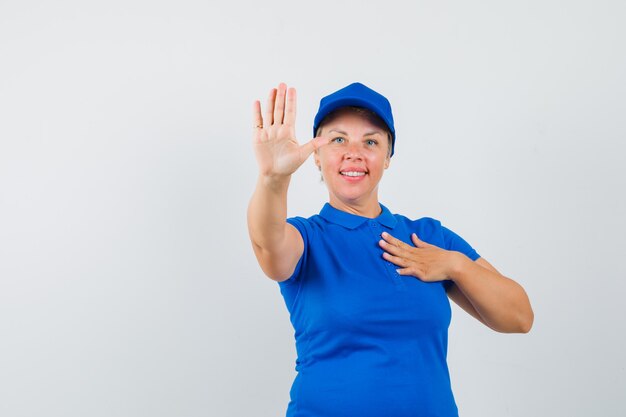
(277, 245)
(495, 300)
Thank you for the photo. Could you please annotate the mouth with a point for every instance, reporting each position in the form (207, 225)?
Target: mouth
(354, 174)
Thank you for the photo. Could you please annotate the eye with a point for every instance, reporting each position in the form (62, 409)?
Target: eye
(371, 142)
(338, 140)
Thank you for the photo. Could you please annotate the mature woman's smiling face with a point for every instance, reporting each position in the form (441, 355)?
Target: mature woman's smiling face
(353, 161)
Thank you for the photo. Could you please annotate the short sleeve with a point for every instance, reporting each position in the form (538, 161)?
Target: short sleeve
(302, 225)
(454, 242)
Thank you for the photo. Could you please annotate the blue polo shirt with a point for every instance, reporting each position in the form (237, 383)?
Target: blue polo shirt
(369, 342)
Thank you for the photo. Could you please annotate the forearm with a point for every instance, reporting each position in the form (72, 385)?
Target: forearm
(267, 212)
(501, 302)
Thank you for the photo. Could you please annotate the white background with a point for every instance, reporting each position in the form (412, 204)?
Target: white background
(127, 283)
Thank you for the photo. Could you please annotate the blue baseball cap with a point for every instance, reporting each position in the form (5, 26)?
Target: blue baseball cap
(357, 95)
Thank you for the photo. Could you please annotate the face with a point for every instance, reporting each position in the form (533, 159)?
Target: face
(353, 161)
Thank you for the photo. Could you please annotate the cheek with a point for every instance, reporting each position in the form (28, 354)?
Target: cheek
(377, 161)
(328, 160)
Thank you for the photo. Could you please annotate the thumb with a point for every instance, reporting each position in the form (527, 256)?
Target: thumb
(311, 146)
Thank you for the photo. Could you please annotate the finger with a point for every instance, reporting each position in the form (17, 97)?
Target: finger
(392, 240)
(410, 271)
(396, 260)
(290, 107)
(392, 249)
(269, 110)
(311, 146)
(257, 118)
(417, 242)
(279, 107)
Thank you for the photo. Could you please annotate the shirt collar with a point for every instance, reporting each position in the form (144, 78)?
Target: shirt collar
(352, 221)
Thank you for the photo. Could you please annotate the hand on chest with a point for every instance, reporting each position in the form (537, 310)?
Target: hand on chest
(351, 286)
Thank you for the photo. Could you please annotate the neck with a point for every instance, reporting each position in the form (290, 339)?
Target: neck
(370, 208)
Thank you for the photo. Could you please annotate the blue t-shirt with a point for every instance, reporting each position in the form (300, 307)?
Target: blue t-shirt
(369, 342)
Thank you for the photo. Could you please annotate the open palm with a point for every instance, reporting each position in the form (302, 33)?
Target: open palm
(277, 151)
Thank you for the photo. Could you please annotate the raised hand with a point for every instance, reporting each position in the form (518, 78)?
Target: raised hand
(424, 261)
(277, 151)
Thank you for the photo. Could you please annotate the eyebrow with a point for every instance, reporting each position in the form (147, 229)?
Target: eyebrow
(373, 132)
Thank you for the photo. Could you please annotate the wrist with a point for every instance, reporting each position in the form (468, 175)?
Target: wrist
(274, 182)
(458, 265)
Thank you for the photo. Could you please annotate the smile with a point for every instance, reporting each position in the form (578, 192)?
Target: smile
(352, 173)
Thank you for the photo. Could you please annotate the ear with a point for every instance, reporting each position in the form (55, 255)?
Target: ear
(316, 157)
(387, 162)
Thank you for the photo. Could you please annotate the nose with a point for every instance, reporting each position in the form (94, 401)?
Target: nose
(353, 152)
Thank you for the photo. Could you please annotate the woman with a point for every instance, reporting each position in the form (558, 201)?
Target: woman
(367, 290)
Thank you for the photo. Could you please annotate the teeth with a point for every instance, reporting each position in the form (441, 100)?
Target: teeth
(353, 173)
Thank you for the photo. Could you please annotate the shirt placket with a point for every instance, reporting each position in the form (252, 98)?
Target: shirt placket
(396, 278)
